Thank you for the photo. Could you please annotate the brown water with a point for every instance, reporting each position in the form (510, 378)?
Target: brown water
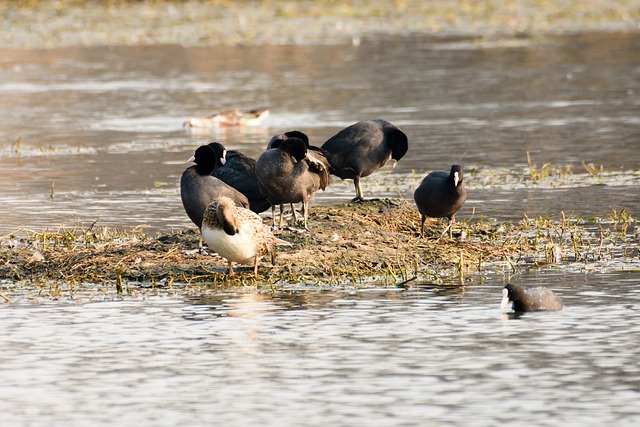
(103, 127)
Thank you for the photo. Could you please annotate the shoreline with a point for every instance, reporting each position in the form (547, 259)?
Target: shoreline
(63, 23)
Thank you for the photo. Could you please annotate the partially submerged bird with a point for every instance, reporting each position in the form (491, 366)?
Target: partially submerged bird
(441, 195)
(530, 299)
(238, 234)
(238, 170)
(291, 173)
(364, 147)
(230, 118)
(198, 188)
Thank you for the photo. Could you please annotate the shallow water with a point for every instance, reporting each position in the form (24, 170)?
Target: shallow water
(99, 129)
(428, 355)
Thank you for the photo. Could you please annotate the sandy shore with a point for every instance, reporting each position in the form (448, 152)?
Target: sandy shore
(50, 23)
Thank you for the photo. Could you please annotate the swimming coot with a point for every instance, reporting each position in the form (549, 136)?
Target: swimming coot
(530, 299)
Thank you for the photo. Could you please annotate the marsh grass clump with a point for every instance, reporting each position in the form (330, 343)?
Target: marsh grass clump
(352, 244)
(545, 241)
(540, 173)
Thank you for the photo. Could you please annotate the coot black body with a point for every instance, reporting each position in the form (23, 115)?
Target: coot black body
(289, 174)
(530, 299)
(198, 188)
(364, 147)
(441, 195)
(238, 170)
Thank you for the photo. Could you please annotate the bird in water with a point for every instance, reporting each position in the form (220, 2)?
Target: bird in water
(229, 118)
(198, 188)
(238, 171)
(291, 173)
(441, 195)
(364, 147)
(238, 234)
(529, 299)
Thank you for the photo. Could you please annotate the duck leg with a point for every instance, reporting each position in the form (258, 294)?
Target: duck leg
(231, 272)
(255, 266)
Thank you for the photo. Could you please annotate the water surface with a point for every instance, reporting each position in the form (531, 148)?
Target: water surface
(103, 126)
(96, 134)
(429, 355)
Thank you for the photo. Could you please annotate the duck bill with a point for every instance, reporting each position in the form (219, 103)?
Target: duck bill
(505, 299)
(394, 162)
(191, 159)
(456, 179)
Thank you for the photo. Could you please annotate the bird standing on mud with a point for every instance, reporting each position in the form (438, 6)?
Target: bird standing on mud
(441, 195)
(198, 188)
(291, 173)
(364, 147)
(238, 234)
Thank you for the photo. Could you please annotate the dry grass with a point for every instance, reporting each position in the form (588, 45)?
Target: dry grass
(351, 244)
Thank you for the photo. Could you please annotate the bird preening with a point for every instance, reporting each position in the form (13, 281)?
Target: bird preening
(359, 150)
(238, 234)
(290, 171)
(226, 190)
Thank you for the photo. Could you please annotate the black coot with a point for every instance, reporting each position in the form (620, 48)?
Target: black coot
(238, 171)
(440, 195)
(364, 147)
(198, 188)
(530, 299)
(288, 174)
